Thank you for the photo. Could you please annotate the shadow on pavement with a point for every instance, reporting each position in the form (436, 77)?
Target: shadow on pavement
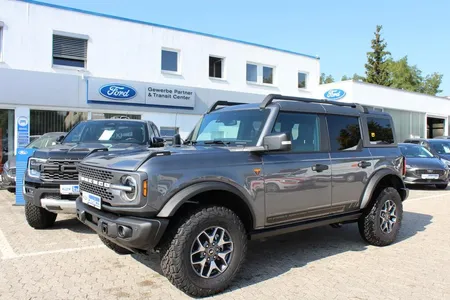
(71, 224)
(426, 187)
(275, 256)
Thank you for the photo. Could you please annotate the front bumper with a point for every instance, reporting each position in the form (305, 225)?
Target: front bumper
(49, 197)
(132, 233)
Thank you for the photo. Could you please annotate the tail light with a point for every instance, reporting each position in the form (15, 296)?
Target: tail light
(404, 166)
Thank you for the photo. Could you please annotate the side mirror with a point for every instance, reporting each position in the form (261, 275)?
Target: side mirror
(277, 142)
(176, 139)
(157, 142)
(59, 139)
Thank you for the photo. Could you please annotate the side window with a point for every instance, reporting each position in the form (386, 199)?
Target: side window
(303, 128)
(380, 131)
(345, 133)
(155, 130)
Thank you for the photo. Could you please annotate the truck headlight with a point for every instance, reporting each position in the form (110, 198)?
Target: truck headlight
(446, 162)
(34, 166)
(129, 181)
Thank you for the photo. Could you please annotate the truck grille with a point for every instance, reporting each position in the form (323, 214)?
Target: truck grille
(96, 174)
(60, 169)
(103, 192)
(425, 171)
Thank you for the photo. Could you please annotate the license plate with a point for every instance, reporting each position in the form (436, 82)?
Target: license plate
(69, 189)
(92, 200)
(430, 176)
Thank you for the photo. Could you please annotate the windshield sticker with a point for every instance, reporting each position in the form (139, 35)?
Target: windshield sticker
(446, 149)
(106, 135)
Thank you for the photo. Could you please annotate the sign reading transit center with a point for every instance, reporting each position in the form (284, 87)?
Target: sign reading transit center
(138, 93)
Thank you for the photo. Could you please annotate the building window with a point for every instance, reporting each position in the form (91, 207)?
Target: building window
(69, 51)
(302, 80)
(380, 131)
(216, 65)
(1, 41)
(345, 134)
(261, 74)
(43, 121)
(169, 60)
(252, 73)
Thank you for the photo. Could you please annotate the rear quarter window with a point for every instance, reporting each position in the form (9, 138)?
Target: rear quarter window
(380, 131)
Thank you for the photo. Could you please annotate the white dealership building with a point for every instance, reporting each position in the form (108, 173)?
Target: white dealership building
(59, 65)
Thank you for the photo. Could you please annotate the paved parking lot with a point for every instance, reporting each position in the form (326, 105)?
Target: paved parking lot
(70, 262)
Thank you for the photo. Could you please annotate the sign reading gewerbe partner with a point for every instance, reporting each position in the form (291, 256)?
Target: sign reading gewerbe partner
(137, 93)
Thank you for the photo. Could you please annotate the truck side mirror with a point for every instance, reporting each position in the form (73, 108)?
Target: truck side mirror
(277, 142)
(176, 140)
(59, 139)
(157, 142)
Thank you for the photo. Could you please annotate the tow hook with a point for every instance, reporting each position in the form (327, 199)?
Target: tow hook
(104, 228)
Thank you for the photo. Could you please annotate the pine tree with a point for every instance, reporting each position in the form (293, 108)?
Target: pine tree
(376, 66)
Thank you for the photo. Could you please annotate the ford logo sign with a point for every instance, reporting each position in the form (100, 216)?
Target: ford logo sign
(334, 94)
(117, 92)
(22, 121)
(22, 152)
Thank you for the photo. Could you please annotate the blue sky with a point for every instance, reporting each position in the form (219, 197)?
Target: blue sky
(338, 31)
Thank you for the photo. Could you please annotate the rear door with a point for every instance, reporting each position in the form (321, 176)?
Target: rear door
(351, 163)
(298, 182)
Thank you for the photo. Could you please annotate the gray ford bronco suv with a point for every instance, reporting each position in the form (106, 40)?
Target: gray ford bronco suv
(246, 171)
(51, 180)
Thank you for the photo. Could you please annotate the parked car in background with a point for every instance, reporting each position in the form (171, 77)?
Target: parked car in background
(438, 147)
(442, 137)
(424, 168)
(8, 175)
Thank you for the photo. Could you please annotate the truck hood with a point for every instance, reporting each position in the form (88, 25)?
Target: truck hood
(132, 160)
(80, 150)
(425, 163)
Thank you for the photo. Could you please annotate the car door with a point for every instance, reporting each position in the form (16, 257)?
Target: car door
(351, 164)
(298, 182)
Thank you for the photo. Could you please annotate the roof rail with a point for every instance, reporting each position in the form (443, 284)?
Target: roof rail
(224, 103)
(269, 99)
(120, 117)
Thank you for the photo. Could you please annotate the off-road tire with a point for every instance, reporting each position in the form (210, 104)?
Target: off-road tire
(369, 222)
(11, 190)
(116, 248)
(441, 186)
(176, 249)
(38, 217)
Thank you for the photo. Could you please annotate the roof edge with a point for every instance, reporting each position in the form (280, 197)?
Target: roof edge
(165, 27)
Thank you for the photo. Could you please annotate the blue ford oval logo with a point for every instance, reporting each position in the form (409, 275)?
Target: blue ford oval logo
(22, 121)
(334, 94)
(117, 92)
(22, 152)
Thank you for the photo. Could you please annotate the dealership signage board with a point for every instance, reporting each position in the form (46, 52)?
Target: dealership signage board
(21, 167)
(22, 126)
(138, 93)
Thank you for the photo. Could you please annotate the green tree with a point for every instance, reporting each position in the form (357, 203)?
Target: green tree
(344, 78)
(430, 85)
(376, 66)
(326, 79)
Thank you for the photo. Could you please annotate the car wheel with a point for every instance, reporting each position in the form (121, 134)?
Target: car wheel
(38, 217)
(114, 247)
(441, 186)
(379, 225)
(205, 251)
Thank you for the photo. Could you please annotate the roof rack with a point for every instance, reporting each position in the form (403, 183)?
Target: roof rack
(223, 103)
(120, 117)
(269, 99)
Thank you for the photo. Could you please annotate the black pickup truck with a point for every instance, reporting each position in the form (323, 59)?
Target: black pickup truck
(51, 181)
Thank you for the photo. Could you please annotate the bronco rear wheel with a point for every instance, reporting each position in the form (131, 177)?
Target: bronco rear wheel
(205, 251)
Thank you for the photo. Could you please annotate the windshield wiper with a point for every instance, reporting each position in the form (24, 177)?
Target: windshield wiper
(188, 142)
(217, 142)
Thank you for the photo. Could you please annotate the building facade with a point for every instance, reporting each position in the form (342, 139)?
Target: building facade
(60, 65)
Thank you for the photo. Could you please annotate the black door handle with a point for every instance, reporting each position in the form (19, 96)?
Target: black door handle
(364, 164)
(319, 168)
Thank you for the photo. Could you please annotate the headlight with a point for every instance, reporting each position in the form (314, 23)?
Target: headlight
(408, 166)
(446, 162)
(34, 166)
(129, 181)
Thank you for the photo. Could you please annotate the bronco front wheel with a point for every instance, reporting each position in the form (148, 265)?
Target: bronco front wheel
(204, 253)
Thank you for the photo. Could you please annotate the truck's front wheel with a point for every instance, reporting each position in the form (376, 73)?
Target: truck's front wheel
(202, 255)
(38, 217)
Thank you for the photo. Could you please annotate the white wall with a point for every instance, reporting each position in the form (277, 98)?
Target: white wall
(132, 51)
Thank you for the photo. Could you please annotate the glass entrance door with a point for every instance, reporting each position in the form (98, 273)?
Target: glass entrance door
(6, 136)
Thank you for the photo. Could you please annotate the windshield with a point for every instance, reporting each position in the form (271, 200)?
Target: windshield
(239, 127)
(113, 131)
(441, 147)
(42, 142)
(415, 151)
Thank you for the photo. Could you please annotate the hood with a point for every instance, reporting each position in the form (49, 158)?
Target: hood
(444, 156)
(425, 163)
(132, 160)
(79, 151)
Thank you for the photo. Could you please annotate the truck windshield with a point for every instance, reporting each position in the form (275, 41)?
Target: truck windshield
(238, 127)
(415, 151)
(440, 147)
(109, 131)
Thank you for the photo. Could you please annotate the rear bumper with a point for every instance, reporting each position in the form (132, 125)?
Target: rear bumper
(135, 234)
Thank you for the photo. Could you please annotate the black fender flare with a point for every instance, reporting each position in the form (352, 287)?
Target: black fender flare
(373, 182)
(177, 200)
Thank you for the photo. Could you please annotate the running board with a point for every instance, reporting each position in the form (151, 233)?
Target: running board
(282, 229)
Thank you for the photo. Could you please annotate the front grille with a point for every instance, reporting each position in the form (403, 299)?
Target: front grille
(426, 171)
(60, 169)
(100, 175)
(101, 191)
